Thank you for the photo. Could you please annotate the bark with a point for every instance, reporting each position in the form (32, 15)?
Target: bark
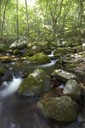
(27, 17)
(0, 19)
(81, 15)
(4, 12)
(17, 22)
(55, 18)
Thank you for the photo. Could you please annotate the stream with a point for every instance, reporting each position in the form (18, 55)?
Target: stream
(18, 111)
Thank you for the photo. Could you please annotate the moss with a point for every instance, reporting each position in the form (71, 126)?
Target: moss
(71, 66)
(60, 50)
(35, 83)
(3, 47)
(62, 109)
(2, 71)
(39, 58)
(58, 54)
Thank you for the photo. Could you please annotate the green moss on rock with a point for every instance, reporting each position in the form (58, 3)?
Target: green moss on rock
(62, 109)
(35, 83)
(2, 71)
(40, 58)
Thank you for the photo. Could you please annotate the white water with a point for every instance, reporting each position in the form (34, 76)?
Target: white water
(47, 65)
(10, 87)
(52, 54)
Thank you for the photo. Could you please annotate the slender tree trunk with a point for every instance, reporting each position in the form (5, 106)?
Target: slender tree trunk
(4, 12)
(0, 19)
(27, 17)
(17, 22)
(55, 19)
(80, 18)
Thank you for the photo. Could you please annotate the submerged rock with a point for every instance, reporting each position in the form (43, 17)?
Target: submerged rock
(62, 109)
(40, 58)
(72, 89)
(35, 83)
(72, 125)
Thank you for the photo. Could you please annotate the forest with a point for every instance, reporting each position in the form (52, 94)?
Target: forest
(54, 20)
(42, 63)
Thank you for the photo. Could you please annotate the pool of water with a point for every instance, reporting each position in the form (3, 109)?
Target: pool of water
(18, 111)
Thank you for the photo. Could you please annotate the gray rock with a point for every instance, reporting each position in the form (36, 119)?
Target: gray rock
(63, 75)
(72, 89)
(72, 125)
(81, 118)
(35, 83)
(62, 109)
(21, 43)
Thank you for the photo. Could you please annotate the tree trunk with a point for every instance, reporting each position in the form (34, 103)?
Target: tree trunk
(27, 17)
(17, 22)
(4, 12)
(80, 19)
(0, 19)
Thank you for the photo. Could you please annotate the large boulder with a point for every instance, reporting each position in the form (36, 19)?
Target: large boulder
(19, 44)
(35, 83)
(72, 89)
(39, 58)
(62, 109)
(63, 75)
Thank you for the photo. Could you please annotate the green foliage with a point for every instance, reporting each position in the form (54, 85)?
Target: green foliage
(47, 20)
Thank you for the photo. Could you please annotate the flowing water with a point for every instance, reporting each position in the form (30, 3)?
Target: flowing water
(18, 111)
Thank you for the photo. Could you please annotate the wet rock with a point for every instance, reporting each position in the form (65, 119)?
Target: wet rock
(72, 125)
(35, 83)
(16, 52)
(72, 89)
(8, 76)
(39, 58)
(63, 75)
(19, 44)
(6, 60)
(81, 118)
(62, 109)
(2, 71)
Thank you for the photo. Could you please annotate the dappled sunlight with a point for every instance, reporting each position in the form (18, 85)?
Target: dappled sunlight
(30, 3)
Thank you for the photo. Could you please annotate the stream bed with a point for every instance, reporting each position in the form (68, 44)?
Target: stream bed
(18, 111)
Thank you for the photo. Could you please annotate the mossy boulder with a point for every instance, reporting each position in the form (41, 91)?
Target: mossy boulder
(62, 109)
(60, 50)
(39, 58)
(72, 89)
(35, 83)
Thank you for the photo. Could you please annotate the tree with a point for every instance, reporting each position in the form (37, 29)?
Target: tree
(4, 11)
(27, 17)
(17, 21)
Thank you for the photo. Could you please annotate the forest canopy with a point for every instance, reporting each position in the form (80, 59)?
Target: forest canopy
(48, 20)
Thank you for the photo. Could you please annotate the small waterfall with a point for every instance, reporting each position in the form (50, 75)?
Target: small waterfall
(9, 88)
(52, 54)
